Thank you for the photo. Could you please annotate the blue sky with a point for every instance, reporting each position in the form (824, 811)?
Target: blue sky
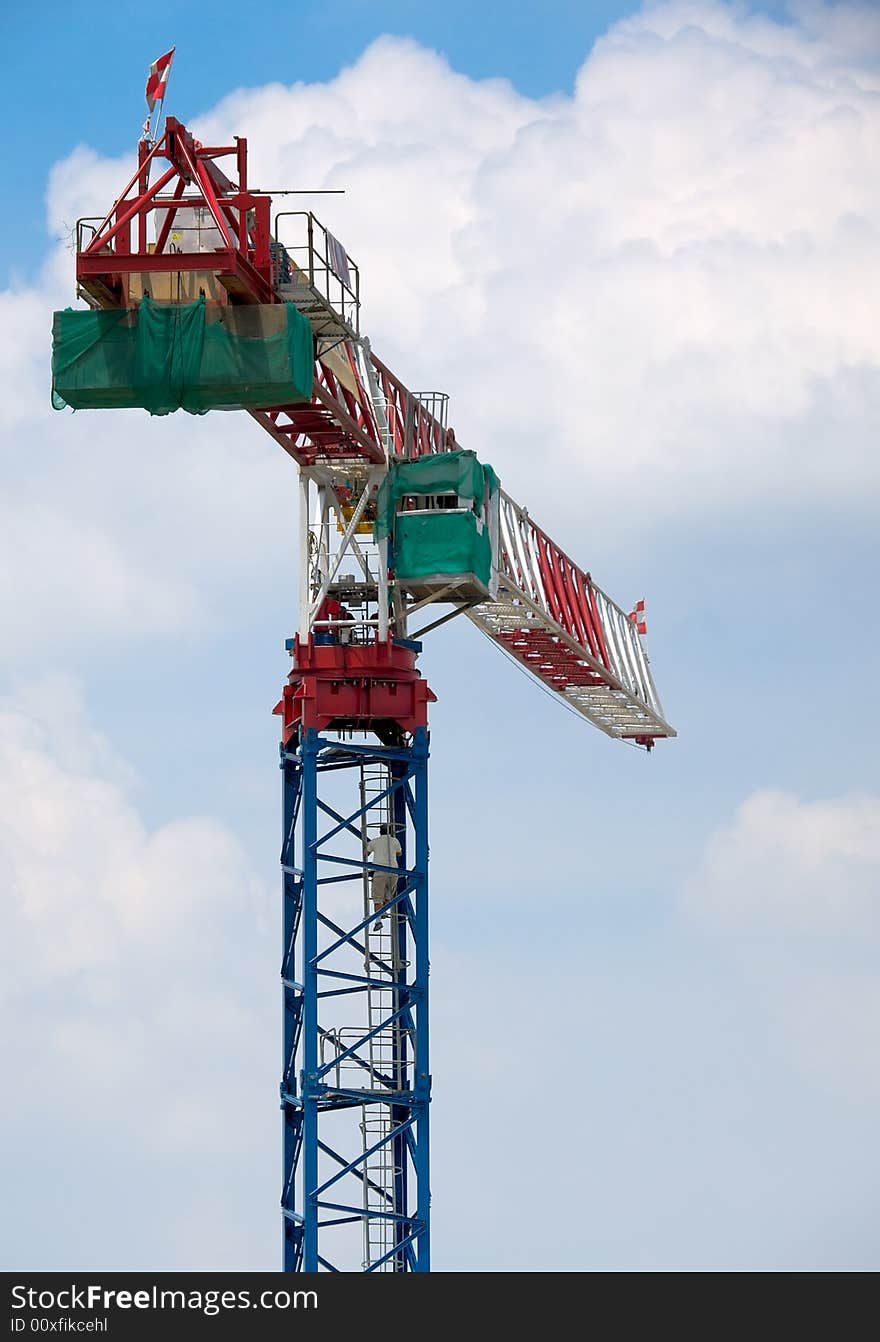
(644, 272)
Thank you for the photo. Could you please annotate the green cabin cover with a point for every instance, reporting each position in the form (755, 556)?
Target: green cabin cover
(431, 543)
(164, 357)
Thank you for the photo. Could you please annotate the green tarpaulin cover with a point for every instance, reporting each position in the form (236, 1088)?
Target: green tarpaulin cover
(438, 542)
(163, 357)
(429, 544)
(446, 473)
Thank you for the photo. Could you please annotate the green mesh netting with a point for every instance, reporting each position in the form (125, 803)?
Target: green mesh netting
(446, 473)
(437, 544)
(163, 357)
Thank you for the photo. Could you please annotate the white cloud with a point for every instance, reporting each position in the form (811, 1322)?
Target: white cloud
(87, 885)
(134, 965)
(790, 865)
(653, 282)
(67, 575)
(80, 748)
(793, 887)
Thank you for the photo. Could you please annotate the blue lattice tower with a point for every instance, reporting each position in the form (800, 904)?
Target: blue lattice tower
(355, 1087)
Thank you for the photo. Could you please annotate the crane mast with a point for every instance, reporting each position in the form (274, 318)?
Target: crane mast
(397, 522)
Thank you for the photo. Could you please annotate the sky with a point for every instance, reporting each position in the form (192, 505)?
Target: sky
(640, 249)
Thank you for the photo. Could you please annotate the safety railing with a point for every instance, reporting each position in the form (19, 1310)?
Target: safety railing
(304, 251)
(416, 422)
(86, 229)
(435, 404)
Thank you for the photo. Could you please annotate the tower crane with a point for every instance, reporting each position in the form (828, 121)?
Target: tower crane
(199, 297)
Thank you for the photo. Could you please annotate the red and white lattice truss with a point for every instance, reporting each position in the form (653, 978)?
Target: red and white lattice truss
(345, 423)
(551, 616)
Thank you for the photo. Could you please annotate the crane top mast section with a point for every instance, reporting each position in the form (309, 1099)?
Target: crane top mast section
(193, 233)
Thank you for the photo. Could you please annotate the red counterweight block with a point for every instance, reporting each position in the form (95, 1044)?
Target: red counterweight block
(349, 686)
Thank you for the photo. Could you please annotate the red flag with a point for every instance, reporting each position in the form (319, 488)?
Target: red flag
(158, 79)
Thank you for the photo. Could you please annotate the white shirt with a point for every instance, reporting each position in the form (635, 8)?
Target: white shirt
(385, 849)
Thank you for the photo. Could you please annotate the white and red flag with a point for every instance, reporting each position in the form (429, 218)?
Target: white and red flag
(158, 79)
(638, 617)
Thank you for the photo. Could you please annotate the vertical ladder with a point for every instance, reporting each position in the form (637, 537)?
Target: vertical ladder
(386, 1053)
